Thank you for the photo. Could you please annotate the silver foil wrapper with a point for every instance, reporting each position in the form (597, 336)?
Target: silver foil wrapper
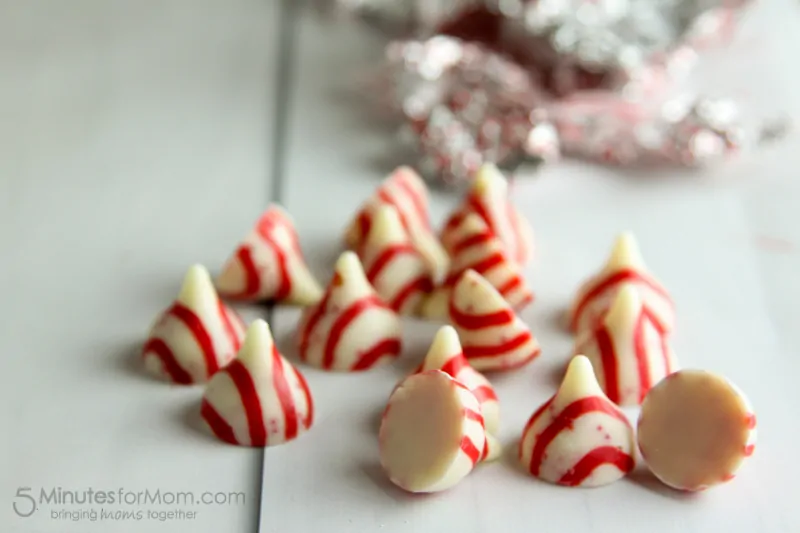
(513, 81)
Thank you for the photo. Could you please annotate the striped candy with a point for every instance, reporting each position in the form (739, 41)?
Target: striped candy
(351, 328)
(269, 265)
(477, 248)
(405, 191)
(493, 336)
(260, 399)
(423, 449)
(445, 354)
(578, 438)
(196, 336)
(628, 349)
(624, 266)
(393, 266)
(695, 430)
(489, 199)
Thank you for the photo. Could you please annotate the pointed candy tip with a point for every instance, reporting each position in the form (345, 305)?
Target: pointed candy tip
(259, 331)
(489, 179)
(196, 287)
(625, 252)
(386, 225)
(445, 343)
(347, 263)
(579, 377)
(257, 340)
(349, 273)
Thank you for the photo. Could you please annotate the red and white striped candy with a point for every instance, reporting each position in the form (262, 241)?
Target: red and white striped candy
(489, 199)
(478, 249)
(578, 438)
(393, 266)
(492, 335)
(196, 336)
(351, 328)
(405, 191)
(628, 349)
(425, 449)
(260, 399)
(269, 265)
(624, 266)
(445, 354)
(695, 430)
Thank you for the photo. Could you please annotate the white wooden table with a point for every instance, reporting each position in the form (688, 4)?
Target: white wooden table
(137, 138)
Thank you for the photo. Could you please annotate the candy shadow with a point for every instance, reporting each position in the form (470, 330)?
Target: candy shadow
(555, 372)
(373, 472)
(285, 341)
(374, 419)
(188, 416)
(644, 478)
(556, 320)
(510, 459)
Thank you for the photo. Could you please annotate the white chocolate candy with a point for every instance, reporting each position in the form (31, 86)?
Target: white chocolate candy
(351, 328)
(629, 351)
(489, 199)
(269, 265)
(624, 266)
(477, 248)
(695, 430)
(393, 266)
(492, 335)
(431, 433)
(260, 399)
(196, 336)
(445, 354)
(405, 191)
(578, 438)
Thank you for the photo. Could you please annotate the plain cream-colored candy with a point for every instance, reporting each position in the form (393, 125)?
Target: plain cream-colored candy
(624, 266)
(431, 434)
(578, 437)
(695, 430)
(260, 381)
(351, 328)
(629, 352)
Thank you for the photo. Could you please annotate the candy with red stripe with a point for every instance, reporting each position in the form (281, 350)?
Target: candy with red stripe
(445, 354)
(432, 433)
(351, 328)
(624, 266)
(578, 438)
(393, 266)
(628, 349)
(489, 199)
(405, 191)
(492, 335)
(695, 430)
(269, 265)
(196, 336)
(478, 249)
(260, 398)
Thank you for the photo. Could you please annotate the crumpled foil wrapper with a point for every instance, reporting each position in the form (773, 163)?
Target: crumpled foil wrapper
(511, 81)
